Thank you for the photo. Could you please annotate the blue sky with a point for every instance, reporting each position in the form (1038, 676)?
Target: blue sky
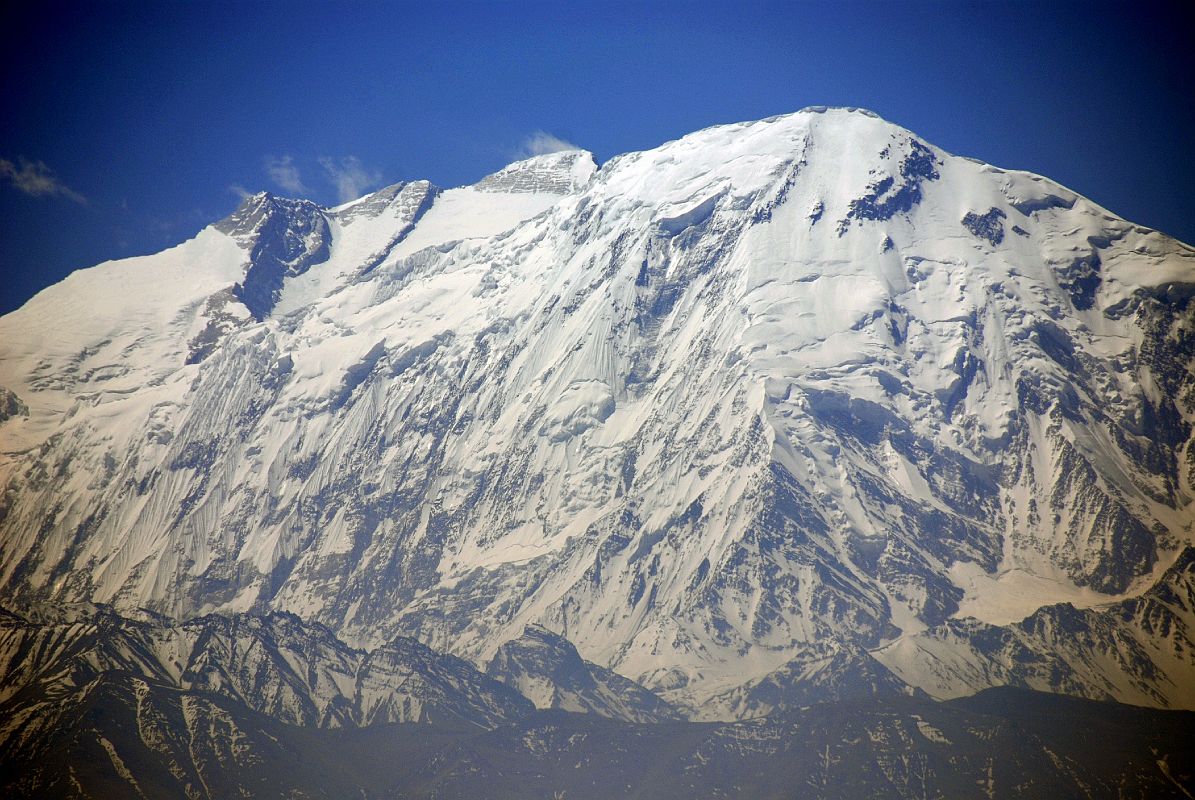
(127, 127)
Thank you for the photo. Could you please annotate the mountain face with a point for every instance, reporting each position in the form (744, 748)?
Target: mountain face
(775, 411)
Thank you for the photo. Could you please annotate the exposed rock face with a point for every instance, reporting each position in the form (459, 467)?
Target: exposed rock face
(799, 383)
(285, 237)
(11, 405)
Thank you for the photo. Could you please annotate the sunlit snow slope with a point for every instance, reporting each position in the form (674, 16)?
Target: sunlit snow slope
(774, 399)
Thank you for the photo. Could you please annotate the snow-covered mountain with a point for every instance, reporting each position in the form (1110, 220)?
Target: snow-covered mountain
(802, 402)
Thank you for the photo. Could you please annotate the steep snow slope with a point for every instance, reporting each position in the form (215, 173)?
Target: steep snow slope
(108, 333)
(702, 411)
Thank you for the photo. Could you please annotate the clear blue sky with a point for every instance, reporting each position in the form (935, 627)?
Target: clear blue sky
(127, 127)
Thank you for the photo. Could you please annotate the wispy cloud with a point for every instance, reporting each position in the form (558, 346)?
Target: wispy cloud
(283, 172)
(240, 191)
(36, 179)
(350, 177)
(542, 142)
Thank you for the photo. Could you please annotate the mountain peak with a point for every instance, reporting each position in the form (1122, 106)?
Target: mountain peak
(546, 668)
(257, 211)
(561, 172)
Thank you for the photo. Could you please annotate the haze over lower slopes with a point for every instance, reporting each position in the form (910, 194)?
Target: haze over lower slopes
(125, 127)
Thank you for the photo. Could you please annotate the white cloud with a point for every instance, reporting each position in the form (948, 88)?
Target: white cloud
(283, 172)
(36, 179)
(240, 191)
(542, 142)
(350, 177)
